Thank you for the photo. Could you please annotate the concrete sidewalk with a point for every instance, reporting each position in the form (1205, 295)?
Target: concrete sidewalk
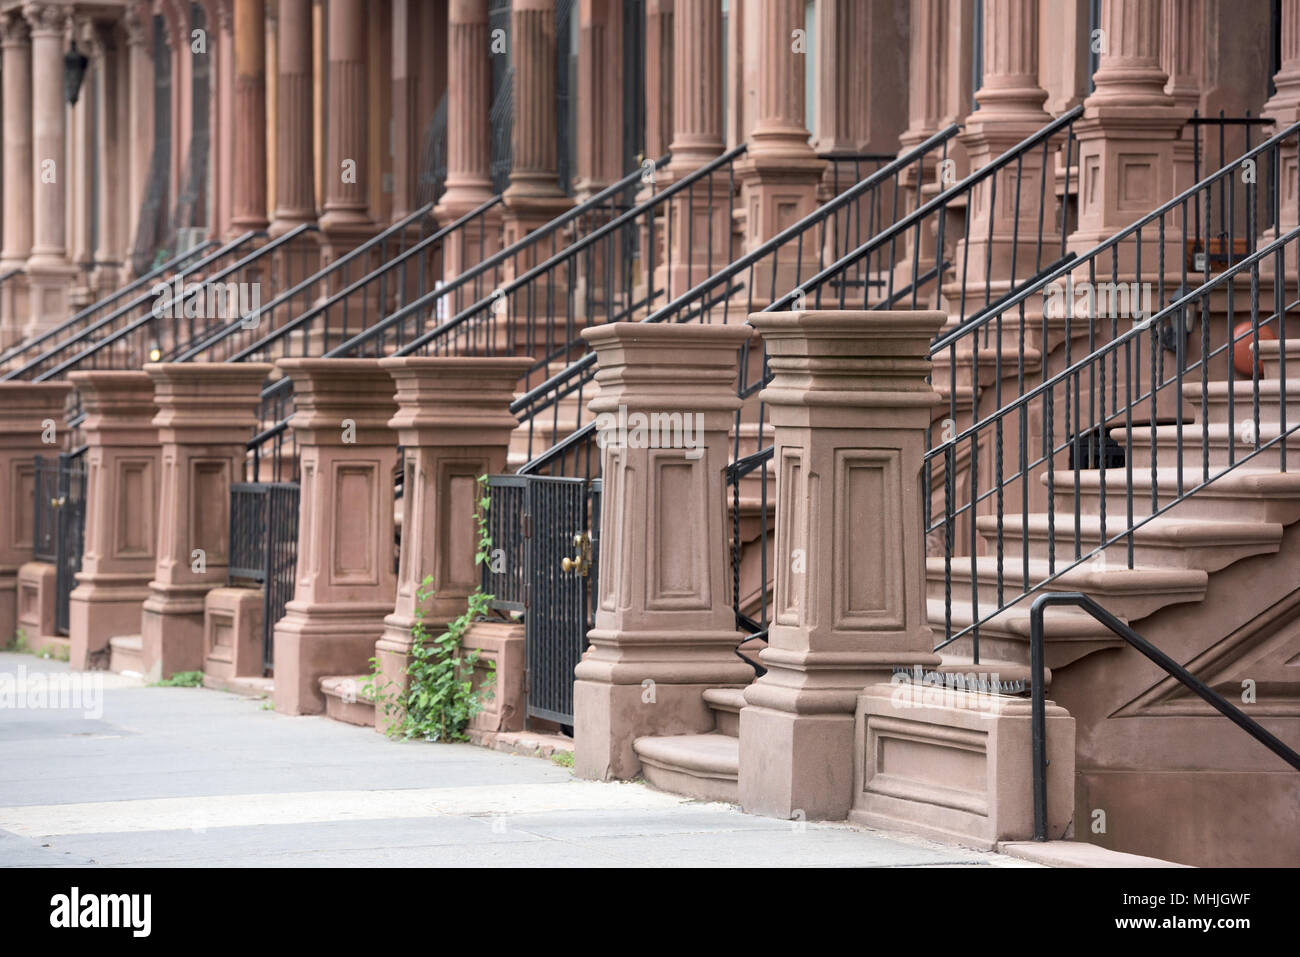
(194, 777)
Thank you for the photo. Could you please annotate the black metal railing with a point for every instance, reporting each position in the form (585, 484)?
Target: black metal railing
(753, 281)
(1172, 668)
(59, 523)
(1127, 398)
(264, 549)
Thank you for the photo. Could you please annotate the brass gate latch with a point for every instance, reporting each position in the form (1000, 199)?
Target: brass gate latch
(581, 562)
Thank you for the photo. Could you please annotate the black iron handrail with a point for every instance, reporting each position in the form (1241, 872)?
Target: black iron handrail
(1151, 652)
(83, 314)
(171, 303)
(88, 332)
(254, 319)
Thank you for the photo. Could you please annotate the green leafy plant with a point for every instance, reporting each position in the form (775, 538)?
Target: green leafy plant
(440, 699)
(563, 758)
(182, 679)
(19, 644)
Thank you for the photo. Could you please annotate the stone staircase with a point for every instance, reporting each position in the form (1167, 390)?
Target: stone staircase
(704, 766)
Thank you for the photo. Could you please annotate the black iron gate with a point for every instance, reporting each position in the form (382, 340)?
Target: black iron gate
(548, 531)
(264, 548)
(59, 531)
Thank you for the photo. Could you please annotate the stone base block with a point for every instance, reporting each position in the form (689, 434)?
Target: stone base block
(956, 765)
(36, 581)
(499, 643)
(796, 766)
(171, 632)
(232, 633)
(346, 700)
(607, 718)
(99, 611)
(314, 641)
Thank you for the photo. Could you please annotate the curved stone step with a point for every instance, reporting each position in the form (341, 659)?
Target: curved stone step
(346, 701)
(705, 766)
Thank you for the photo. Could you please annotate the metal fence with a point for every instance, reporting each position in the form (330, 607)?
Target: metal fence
(264, 548)
(59, 524)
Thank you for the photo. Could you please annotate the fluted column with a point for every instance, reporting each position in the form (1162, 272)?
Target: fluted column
(926, 71)
(295, 188)
(469, 135)
(347, 211)
(780, 171)
(250, 117)
(16, 76)
(534, 196)
(408, 46)
(1128, 115)
(599, 159)
(140, 111)
(658, 77)
(1010, 110)
(696, 83)
(841, 75)
(48, 270)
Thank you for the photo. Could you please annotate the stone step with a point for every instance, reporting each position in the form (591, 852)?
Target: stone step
(725, 703)
(1270, 356)
(1243, 494)
(1218, 438)
(345, 700)
(704, 766)
(1069, 634)
(1243, 400)
(1131, 593)
(126, 654)
(1161, 542)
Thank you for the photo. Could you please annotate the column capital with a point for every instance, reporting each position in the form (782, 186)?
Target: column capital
(47, 19)
(14, 30)
(206, 402)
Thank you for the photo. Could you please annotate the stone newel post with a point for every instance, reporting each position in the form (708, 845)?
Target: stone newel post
(206, 414)
(30, 413)
(454, 423)
(665, 631)
(345, 581)
(851, 409)
(120, 549)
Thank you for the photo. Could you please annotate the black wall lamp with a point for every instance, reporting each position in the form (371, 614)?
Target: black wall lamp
(74, 72)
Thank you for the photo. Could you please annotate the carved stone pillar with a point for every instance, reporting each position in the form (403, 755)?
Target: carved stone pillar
(1127, 132)
(295, 187)
(780, 171)
(1182, 56)
(48, 271)
(16, 77)
(454, 424)
(31, 424)
(851, 409)
(122, 483)
(346, 219)
(138, 23)
(1284, 108)
(534, 197)
(469, 134)
(249, 212)
(599, 159)
(1010, 110)
(207, 412)
(663, 616)
(345, 581)
(658, 77)
(408, 127)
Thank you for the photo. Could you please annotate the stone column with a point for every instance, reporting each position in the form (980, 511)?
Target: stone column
(16, 76)
(600, 96)
(454, 424)
(664, 621)
(31, 424)
(1010, 109)
(841, 76)
(207, 412)
(112, 241)
(249, 208)
(851, 409)
(140, 84)
(346, 218)
(1183, 55)
(469, 135)
(408, 49)
(295, 188)
(122, 484)
(534, 197)
(697, 140)
(1127, 131)
(345, 580)
(1284, 108)
(48, 271)
(658, 77)
(780, 171)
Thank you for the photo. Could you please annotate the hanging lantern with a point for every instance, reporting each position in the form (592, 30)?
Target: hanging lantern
(74, 72)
